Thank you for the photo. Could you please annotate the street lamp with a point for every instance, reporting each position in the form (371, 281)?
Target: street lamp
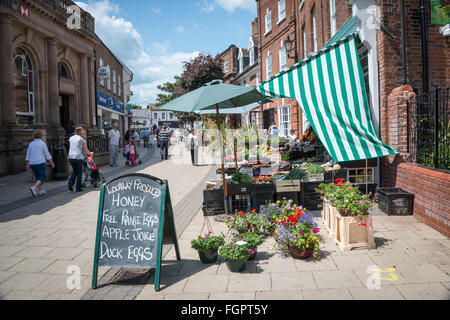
(290, 46)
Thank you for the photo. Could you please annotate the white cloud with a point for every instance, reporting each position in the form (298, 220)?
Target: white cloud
(229, 5)
(151, 68)
(156, 10)
(179, 29)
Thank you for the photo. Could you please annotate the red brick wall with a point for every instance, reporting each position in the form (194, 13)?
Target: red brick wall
(431, 195)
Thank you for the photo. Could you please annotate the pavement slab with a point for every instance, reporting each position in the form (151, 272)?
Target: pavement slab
(242, 282)
(327, 294)
(292, 281)
(384, 293)
(424, 291)
(336, 279)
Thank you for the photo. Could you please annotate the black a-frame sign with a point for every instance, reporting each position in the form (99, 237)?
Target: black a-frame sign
(135, 219)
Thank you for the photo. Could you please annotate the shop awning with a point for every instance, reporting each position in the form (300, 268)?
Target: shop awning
(329, 88)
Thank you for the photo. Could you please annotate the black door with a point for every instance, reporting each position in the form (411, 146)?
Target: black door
(64, 111)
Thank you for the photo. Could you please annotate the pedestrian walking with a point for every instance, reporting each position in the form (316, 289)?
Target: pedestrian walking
(114, 141)
(77, 153)
(136, 137)
(37, 156)
(193, 146)
(127, 136)
(133, 152)
(146, 138)
(164, 142)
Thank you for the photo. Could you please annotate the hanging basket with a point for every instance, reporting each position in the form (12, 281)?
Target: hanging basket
(208, 256)
(300, 253)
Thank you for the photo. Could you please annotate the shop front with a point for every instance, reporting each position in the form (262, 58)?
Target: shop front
(110, 111)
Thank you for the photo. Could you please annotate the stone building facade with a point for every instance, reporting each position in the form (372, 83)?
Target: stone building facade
(47, 75)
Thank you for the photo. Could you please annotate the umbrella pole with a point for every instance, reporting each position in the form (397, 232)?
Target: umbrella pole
(234, 143)
(225, 191)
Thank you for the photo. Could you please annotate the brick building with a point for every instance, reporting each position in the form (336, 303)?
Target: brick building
(390, 84)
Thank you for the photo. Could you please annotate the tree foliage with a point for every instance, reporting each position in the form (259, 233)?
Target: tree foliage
(200, 70)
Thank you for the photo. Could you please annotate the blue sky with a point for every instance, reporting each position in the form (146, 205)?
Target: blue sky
(154, 37)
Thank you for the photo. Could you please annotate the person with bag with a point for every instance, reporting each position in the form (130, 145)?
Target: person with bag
(37, 155)
(77, 153)
(192, 144)
(164, 136)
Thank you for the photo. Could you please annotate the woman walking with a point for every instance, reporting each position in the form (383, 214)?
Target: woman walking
(37, 154)
(193, 145)
(76, 157)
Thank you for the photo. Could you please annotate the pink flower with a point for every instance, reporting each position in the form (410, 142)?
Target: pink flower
(252, 252)
(232, 247)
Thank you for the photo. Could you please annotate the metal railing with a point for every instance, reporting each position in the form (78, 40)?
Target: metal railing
(429, 129)
(61, 6)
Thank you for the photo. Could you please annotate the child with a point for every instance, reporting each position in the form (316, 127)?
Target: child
(133, 152)
(37, 154)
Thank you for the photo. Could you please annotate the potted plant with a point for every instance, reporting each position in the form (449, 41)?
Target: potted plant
(297, 235)
(207, 246)
(253, 240)
(244, 222)
(236, 255)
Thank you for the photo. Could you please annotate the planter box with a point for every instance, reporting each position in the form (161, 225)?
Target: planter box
(261, 198)
(287, 186)
(350, 235)
(329, 218)
(395, 201)
(212, 208)
(213, 195)
(235, 189)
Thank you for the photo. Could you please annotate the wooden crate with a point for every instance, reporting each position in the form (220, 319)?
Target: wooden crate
(287, 186)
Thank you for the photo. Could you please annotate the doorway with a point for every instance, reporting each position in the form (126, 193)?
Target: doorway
(64, 111)
(268, 117)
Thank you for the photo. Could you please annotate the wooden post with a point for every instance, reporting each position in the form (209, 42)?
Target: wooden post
(225, 191)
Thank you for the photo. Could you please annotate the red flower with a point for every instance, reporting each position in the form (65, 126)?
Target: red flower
(241, 213)
(340, 182)
(253, 211)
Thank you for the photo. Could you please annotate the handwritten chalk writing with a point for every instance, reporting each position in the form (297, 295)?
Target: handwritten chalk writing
(130, 221)
(146, 188)
(150, 220)
(133, 201)
(105, 251)
(139, 253)
(119, 187)
(116, 233)
(139, 235)
(109, 218)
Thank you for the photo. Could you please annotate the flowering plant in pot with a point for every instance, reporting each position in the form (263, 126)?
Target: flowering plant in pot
(207, 246)
(298, 235)
(275, 212)
(253, 240)
(236, 255)
(244, 222)
(349, 201)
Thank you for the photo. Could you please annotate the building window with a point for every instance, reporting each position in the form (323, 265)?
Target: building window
(163, 116)
(284, 119)
(108, 81)
(171, 115)
(155, 116)
(333, 17)
(268, 21)
(252, 55)
(119, 86)
(313, 15)
(241, 62)
(281, 10)
(23, 88)
(114, 82)
(226, 66)
(360, 175)
(102, 81)
(282, 56)
(304, 42)
(269, 67)
(62, 71)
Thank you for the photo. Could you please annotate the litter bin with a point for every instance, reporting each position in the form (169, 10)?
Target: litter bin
(60, 172)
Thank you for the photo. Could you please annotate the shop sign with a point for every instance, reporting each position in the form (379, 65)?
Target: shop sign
(103, 72)
(109, 102)
(24, 11)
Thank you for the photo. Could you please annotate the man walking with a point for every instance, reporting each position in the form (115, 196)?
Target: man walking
(164, 142)
(114, 140)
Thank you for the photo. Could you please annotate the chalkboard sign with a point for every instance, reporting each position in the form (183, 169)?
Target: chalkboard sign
(135, 219)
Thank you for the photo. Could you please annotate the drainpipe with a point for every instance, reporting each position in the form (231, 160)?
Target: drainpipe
(402, 18)
(424, 38)
(95, 83)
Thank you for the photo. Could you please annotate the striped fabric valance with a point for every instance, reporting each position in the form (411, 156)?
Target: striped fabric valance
(329, 88)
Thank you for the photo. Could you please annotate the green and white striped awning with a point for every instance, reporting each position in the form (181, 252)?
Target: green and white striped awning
(329, 88)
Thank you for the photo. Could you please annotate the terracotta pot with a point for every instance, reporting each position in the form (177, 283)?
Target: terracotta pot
(208, 256)
(299, 253)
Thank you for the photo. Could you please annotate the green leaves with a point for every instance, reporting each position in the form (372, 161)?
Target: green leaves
(207, 242)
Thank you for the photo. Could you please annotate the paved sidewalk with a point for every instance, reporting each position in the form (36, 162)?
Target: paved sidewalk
(40, 240)
(420, 256)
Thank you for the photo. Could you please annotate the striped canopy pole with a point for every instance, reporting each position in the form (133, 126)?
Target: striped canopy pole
(329, 88)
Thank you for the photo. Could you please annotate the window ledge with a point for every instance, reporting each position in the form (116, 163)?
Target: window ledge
(281, 21)
(267, 33)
